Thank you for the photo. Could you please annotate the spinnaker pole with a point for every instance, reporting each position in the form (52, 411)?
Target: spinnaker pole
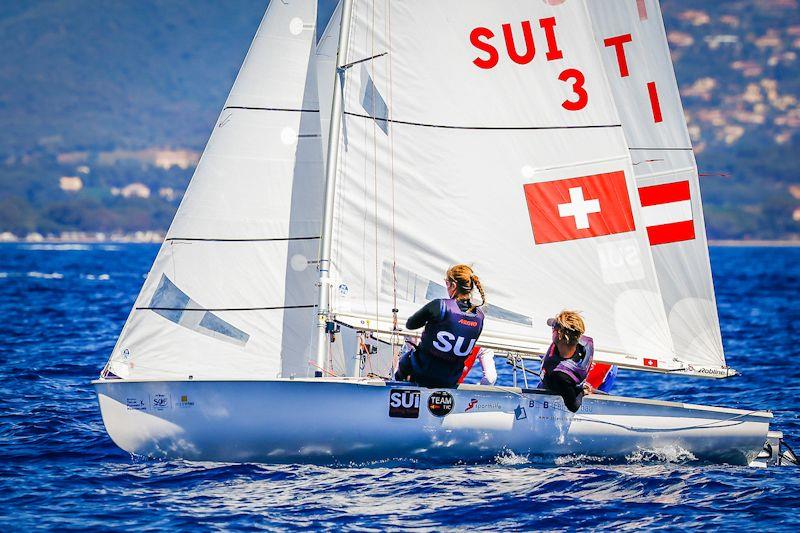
(323, 307)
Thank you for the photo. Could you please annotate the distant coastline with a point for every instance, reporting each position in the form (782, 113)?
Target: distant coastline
(157, 237)
(755, 243)
(81, 237)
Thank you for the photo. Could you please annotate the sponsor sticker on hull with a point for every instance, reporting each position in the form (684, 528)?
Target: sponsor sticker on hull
(160, 402)
(474, 405)
(404, 403)
(135, 404)
(440, 403)
(185, 402)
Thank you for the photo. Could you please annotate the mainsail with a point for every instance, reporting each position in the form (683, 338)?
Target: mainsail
(634, 48)
(327, 47)
(231, 294)
(472, 134)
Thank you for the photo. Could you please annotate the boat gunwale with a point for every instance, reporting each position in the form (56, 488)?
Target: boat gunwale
(371, 382)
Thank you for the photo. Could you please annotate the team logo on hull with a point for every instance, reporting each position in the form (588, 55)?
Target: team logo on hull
(440, 403)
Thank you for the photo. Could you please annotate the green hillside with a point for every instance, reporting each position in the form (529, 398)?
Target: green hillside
(121, 95)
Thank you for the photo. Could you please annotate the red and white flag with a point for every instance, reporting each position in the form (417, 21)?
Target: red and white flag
(651, 362)
(577, 208)
(667, 212)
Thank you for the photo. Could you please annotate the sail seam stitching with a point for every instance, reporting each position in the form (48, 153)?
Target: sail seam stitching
(666, 148)
(240, 240)
(298, 110)
(454, 127)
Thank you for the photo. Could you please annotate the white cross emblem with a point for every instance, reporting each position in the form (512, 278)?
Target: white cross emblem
(579, 208)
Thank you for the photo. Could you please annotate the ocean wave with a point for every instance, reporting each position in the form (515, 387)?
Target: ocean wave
(45, 275)
(61, 470)
(509, 458)
(666, 454)
(100, 277)
(580, 460)
(57, 247)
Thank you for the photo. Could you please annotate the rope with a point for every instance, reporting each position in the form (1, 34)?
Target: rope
(325, 370)
(363, 347)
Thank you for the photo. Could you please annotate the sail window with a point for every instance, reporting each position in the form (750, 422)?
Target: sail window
(373, 103)
(176, 306)
(435, 290)
(213, 323)
(169, 301)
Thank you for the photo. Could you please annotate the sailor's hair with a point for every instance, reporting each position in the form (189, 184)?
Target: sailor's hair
(465, 281)
(569, 326)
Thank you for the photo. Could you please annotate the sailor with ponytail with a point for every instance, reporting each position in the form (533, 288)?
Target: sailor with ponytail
(452, 327)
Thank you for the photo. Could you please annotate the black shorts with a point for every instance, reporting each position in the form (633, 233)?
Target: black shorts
(565, 386)
(428, 371)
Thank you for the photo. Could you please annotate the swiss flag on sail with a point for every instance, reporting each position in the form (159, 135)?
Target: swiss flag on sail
(577, 208)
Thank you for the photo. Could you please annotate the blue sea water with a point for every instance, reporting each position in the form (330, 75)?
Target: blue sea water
(61, 308)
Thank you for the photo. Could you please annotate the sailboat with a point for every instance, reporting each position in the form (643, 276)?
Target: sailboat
(543, 141)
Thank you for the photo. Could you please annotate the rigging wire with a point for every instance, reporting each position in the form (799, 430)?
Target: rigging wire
(395, 340)
(373, 88)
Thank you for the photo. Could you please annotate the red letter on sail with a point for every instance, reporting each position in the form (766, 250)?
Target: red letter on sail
(527, 36)
(484, 46)
(577, 208)
(654, 103)
(618, 43)
(548, 25)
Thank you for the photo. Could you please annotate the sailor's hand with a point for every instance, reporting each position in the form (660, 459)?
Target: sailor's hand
(588, 389)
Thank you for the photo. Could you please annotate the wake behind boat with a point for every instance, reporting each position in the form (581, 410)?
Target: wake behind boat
(546, 139)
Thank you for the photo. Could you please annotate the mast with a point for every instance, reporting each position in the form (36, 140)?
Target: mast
(330, 186)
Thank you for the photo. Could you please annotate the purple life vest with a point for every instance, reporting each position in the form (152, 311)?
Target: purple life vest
(453, 336)
(576, 367)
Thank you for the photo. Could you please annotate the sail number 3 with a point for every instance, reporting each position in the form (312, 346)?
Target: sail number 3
(481, 38)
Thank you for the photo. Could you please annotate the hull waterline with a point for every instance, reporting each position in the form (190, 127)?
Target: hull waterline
(324, 421)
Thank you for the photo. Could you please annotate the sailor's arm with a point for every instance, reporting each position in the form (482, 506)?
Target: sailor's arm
(427, 313)
(486, 358)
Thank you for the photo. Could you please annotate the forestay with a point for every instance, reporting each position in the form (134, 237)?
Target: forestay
(230, 294)
(633, 44)
(488, 136)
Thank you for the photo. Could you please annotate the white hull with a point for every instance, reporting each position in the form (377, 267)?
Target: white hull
(325, 420)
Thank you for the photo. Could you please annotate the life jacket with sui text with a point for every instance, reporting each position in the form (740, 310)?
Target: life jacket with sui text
(454, 335)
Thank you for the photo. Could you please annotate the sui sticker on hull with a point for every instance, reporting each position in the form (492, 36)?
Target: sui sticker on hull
(404, 403)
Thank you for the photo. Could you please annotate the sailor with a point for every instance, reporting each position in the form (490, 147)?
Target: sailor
(568, 360)
(452, 327)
